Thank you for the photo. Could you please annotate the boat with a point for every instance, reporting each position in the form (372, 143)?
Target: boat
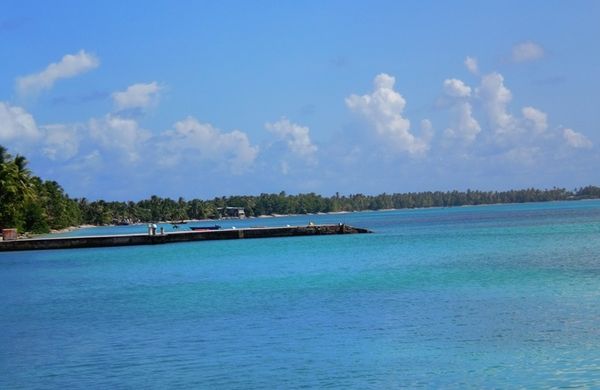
(203, 228)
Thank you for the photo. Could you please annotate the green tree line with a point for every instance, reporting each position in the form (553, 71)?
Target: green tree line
(33, 205)
(29, 203)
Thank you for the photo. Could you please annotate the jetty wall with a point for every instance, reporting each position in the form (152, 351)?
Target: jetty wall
(174, 237)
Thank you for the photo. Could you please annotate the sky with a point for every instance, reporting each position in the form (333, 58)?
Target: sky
(124, 100)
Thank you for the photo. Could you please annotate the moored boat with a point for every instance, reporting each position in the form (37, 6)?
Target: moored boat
(202, 228)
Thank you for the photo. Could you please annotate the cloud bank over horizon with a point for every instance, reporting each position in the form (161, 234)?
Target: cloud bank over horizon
(168, 112)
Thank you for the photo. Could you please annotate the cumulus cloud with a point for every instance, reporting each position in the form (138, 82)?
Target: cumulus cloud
(522, 137)
(383, 110)
(137, 96)
(472, 65)
(61, 142)
(576, 140)
(195, 141)
(120, 135)
(465, 127)
(456, 88)
(69, 66)
(17, 125)
(495, 98)
(536, 118)
(296, 137)
(526, 52)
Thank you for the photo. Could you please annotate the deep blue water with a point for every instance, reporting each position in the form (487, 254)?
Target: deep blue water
(481, 297)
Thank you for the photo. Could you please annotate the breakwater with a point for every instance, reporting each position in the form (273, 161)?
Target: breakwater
(174, 237)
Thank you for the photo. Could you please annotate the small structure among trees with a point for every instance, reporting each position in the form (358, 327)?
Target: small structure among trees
(231, 212)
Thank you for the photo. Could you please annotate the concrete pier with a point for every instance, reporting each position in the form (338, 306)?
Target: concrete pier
(173, 237)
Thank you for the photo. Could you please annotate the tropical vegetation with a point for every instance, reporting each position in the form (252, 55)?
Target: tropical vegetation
(31, 204)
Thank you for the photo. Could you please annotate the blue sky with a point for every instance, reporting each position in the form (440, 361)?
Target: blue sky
(122, 100)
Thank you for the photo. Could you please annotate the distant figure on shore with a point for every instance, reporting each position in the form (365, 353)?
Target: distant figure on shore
(152, 229)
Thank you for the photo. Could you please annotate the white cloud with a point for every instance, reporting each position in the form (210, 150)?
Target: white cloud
(472, 65)
(521, 139)
(19, 130)
(137, 96)
(456, 88)
(526, 52)
(523, 155)
(538, 119)
(119, 135)
(87, 166)
(427, 128)
(17, 125)
(465, 127)
(70, 65)
(383, 110)
(297, 138)
(576, 140)
(197, 141)
(495, 98)
(61, 142)
(91, 160)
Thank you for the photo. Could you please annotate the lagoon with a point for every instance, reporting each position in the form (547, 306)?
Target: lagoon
(478, 296)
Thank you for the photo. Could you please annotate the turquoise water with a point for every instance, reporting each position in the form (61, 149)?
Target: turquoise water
(488, 296)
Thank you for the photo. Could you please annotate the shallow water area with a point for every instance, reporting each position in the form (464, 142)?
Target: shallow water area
(485, 296)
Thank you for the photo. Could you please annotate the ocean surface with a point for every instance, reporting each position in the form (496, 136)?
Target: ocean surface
(502, 296)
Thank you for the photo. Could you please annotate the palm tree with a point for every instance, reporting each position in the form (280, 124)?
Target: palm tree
(16, 187)
(9, 191)
(23, 177)
(4, 155)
